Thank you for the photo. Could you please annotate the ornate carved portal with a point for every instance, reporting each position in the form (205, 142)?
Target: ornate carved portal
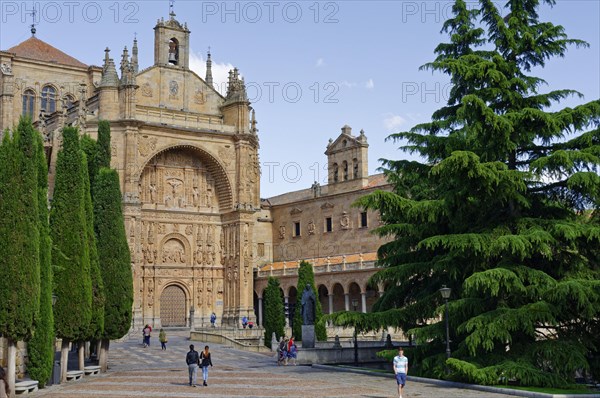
(186, 243)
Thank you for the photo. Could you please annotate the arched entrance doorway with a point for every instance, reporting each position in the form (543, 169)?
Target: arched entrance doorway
(172, 307)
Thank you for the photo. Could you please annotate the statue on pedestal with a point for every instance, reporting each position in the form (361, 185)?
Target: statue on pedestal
(308, 305)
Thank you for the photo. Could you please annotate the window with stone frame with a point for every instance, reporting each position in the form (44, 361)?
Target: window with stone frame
(296, 228)
(28, 103)
(328, 224)
(48, 99)
(363, 219)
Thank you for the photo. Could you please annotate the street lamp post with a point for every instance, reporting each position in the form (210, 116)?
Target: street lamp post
(445, 292)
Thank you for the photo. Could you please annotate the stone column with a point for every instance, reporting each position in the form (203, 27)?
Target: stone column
(363, 297)
(260, 312)
(286, 305)
(347, 301)
(330, 297)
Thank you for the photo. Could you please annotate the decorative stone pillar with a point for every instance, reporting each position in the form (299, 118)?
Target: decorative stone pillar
(286, 306)
(330, 297)
(363, 296)
(260, 312)
(347, 301)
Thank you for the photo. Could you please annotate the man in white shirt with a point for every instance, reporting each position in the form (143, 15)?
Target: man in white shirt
(401, 370)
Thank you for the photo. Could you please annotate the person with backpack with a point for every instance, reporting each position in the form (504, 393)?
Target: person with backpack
(204, 362)
(193, 360)
(213, 319)
(162, 337)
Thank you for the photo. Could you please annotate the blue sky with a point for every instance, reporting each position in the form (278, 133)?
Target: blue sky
(310, 67)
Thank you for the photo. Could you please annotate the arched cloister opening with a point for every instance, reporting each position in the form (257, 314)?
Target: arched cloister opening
(324, 299)
(338, 298)
(372, 295)
(292, 301)
(354, 297)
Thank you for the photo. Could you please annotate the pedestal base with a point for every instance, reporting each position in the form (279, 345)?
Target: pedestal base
(308, 336)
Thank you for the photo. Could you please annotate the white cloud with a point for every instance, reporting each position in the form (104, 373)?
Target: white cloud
(220, 71)
(370, 84)
(393, 122)
(320, 63)
(347, 84)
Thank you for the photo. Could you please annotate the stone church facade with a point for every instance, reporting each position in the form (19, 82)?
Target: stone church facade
(201, 238)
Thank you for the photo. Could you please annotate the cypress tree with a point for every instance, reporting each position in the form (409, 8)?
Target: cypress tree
(96, 328)
(103, 143)
(274, 315)
(306, 275)
(113, 251)
(19, 238)
(504, 211)
(70, 251)
(40, 348)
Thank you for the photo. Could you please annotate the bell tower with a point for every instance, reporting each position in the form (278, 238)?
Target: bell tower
(171, 43)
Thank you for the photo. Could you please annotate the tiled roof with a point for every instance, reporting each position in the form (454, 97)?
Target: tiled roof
(376, 180)
(34, 48)
(321, 261)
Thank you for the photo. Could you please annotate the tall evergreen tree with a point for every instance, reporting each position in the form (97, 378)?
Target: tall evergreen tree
(306, 275)
(96, 327)
(104, 152)
(274, 316)
(497, 212)
(113, 251)
(70, 251)
(97, 151)
(19, 238)
(40, 348)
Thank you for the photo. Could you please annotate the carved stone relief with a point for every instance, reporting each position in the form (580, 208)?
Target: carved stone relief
(146, 90)
(146, 145)
(199, 97)
(173, 252)
(177, 180)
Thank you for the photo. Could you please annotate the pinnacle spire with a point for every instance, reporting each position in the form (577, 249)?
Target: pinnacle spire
(124, 59)
(134, 56)
(109, 72)
(106, 57)
(209, 77)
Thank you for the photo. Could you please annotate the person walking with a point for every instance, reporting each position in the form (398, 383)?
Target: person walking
(192, 359)
(146, 332)
(400, 370)
(281, 351)
(213, 319)
(205, 361)
(162, 337)
(292, 353)
(4, 389)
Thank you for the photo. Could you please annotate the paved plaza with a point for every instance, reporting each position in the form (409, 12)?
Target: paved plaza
(135, 371)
